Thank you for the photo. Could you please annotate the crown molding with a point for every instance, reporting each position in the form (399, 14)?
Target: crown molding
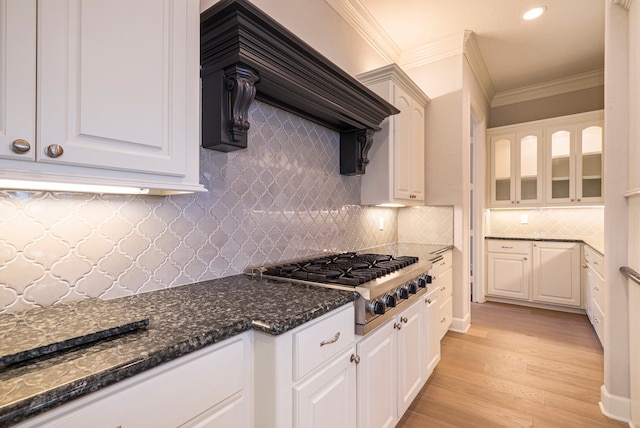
(361, 20)
(626, 4)
(440, 49)
(478, 67)
(548, 89)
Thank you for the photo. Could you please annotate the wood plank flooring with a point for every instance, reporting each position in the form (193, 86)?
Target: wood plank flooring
(516, 367)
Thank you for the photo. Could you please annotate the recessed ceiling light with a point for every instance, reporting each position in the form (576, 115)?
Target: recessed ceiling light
(534, 13)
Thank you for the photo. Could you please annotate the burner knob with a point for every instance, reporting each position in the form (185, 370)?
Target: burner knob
(402, 292)
(377, 307)
(422, 282)
(389, 300)
(429, 279)
(411, 287)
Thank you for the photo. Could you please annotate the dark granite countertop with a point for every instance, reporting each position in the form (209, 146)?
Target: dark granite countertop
(543, 239)
(181, 320)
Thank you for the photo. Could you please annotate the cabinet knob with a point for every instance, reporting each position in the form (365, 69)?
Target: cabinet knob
(525, 258)
(578, 199)
(355, 358)
(517, 202)
(397, 326)
(20, 146)
(428, 301)
(404, 320)
(54, 150)
(585, 266)
(443, 319)
(513, 202)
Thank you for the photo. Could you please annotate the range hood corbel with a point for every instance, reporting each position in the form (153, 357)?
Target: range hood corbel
(246, 54)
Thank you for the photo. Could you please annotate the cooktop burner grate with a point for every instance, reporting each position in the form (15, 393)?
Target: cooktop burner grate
(344, 268)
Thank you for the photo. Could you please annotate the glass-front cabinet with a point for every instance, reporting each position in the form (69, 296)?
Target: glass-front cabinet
(575, 163)
(555, 161)
(516, 173)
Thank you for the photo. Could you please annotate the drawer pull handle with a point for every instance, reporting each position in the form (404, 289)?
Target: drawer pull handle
(355, 358)
(596, 263)
(330, 341)
(596, 288)
(443, 288)
(505, 246)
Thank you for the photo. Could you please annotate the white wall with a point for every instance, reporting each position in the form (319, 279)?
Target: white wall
(615, 392)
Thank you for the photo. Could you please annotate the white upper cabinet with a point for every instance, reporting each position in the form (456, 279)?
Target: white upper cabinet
(555, 161)
(17, 79)
(516, 168)
(395, 174)
(116, 90)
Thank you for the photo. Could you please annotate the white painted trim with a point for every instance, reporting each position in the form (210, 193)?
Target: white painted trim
(547, 89)
(478, 67)
(614, 406)
(440, 49)
(461, 325)
(626, 4)
(361, 20)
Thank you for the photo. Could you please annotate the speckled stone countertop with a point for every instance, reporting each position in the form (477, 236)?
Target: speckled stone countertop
(540, 239)
(181, 320)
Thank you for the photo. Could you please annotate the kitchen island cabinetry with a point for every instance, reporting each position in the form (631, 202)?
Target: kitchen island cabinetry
(307, 377)
(213, 386)
(594, 288)
(395, 173)
(391, 370)
(556, 161)
(542, 273)
(116, 94)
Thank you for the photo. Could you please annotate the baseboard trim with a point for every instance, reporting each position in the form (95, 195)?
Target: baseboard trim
(461, 325)
(615, 406)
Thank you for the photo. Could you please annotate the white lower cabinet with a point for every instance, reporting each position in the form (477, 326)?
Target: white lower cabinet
(306, 377)
(442, 277)
(432, 330)
(207, 388)
(540, 272)
(556, 273)
(392, 368)
(594, 287)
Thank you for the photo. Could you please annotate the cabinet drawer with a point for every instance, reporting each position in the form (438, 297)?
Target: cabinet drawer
(500, 246)
(200, 381)
(597, 291)
(314, 345)
(444, 263)
(445, 316)
(598, 322)
(595, 260)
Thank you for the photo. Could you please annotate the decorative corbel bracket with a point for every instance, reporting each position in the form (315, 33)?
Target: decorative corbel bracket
(227, 96)
(354, 151)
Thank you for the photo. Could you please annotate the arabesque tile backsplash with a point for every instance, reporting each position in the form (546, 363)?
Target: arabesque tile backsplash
(281, 198)
(586, 223)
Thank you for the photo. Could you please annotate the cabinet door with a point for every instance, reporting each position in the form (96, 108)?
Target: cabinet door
(556, 278)
(528, 176)
(502, 170)
(508, 275)
(432, 342)
(377, 381)
(17, 77)
(112, 80)
(417, 152)
(560, 164)
(411, 354)
(328, 397)
(589, 166)
(403, 157)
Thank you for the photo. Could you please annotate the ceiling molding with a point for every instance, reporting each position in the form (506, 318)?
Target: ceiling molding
(443, 48)
(626, 4)
(547, 89)
(361, 20)
(478, 67)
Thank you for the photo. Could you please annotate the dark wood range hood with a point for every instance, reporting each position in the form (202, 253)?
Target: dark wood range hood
(245, 55)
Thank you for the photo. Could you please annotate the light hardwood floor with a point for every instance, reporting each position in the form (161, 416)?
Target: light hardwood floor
(515, 367)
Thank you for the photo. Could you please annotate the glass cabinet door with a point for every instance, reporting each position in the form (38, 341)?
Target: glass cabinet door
(529, 184)
(561, 164)
(590, 165)
(502, 171)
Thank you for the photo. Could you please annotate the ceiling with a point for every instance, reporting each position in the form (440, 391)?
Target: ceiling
(567, 40)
